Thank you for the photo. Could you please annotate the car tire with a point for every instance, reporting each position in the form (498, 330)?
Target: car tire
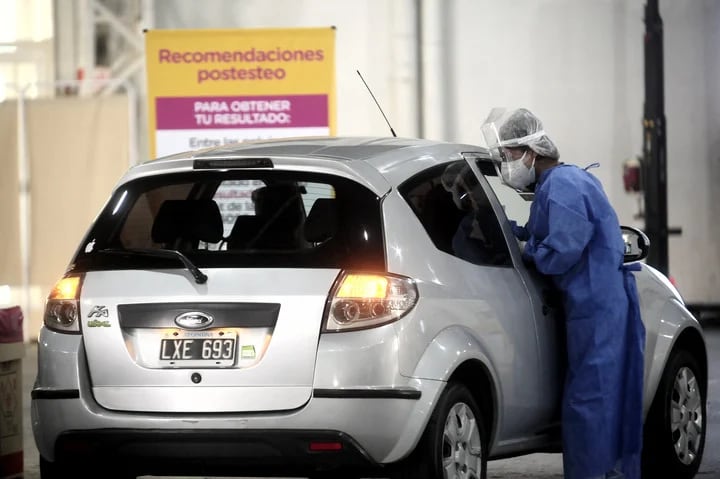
(440, 451)
(676, 424)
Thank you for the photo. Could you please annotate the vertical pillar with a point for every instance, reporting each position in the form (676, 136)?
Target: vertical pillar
(436, 79)
(654, 141)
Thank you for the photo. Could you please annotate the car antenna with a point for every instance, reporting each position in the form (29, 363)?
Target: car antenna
(378, 104)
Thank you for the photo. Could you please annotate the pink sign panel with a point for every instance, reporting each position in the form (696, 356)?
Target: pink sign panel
(231, 112)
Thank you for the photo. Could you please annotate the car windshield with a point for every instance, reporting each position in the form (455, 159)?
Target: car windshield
(237, 219)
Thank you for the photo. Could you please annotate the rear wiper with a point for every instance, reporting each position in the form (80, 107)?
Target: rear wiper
(200, 277)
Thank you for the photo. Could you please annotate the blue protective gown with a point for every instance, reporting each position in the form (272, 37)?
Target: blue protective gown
(573, 235)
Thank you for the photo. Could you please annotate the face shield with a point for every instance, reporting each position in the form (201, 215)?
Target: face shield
(512, 135)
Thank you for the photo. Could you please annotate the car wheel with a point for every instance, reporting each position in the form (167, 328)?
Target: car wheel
(454, 444)
(676, 423)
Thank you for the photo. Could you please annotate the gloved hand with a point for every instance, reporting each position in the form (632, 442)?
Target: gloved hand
(520, 232)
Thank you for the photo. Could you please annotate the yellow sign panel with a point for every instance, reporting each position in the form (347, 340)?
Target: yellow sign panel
(213, 87)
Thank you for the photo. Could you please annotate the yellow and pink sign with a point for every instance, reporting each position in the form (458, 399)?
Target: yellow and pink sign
(214, 87)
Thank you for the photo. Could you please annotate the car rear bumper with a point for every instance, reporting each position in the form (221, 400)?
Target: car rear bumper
(207, 452)
(371, 430)
(377, 424)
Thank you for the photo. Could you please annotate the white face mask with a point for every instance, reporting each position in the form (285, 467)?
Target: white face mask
(516, 174)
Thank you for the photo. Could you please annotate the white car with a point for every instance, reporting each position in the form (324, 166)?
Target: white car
(311, 307)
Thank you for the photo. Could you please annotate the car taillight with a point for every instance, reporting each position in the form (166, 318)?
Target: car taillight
(361, 300)
(62, 308)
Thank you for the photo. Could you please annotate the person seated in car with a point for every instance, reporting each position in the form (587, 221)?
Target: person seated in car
(471, 241)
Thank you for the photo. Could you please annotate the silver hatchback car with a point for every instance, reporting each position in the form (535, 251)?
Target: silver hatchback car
(327, 307)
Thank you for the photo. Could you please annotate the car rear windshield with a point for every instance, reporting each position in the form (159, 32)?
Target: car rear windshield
(237, 218)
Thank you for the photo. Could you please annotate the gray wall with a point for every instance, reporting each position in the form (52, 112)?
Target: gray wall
(692, 98)
(578, 64)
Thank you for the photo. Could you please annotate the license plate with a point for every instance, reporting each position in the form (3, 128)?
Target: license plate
(199, 348)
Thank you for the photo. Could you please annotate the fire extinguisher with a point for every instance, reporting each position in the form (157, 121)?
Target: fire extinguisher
(632, 175)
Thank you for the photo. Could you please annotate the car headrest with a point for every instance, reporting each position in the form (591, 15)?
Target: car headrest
(244, 229)
(269, 200)
(195, 220)
(322, 221)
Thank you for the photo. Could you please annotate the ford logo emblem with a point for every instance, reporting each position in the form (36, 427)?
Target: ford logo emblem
(194, 320)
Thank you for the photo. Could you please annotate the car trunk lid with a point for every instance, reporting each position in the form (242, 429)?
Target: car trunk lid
(244, 341)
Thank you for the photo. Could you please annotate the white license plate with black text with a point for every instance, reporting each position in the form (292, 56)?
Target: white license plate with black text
(198, 348)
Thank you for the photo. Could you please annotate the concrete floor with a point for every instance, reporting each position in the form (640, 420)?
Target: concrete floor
(535, 466)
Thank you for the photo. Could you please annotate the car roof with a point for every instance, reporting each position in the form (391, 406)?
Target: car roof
(379, 162)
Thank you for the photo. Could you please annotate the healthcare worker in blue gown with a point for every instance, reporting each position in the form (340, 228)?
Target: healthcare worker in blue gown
(573, 236)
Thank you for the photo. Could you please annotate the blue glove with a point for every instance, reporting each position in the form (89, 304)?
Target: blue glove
(520, 232)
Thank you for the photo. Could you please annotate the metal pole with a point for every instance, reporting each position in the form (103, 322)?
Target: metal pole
(85, 18)
(130, 36)
(654, 141)
(24, 205)
(134, 149)
(434, 50)
(420, 70)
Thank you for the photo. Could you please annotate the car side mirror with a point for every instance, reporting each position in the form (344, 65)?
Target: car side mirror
(636, 242)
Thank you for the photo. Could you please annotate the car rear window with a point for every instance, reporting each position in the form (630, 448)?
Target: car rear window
(238, 218)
